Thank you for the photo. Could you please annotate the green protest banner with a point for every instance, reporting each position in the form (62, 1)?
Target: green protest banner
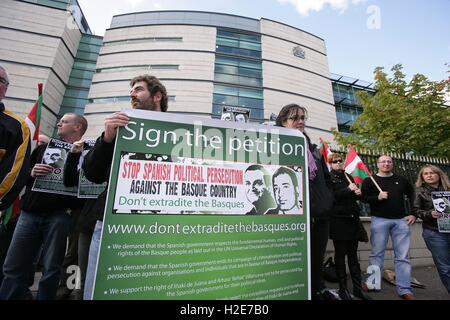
(205, 209)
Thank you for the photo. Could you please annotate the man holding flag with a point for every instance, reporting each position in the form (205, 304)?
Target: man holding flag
(386, 193)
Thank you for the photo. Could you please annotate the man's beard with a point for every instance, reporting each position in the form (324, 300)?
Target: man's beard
(146, 105)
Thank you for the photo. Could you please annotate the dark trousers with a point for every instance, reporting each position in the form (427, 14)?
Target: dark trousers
(320, 229)
(347, 248)
(6, 234)
(34, 230)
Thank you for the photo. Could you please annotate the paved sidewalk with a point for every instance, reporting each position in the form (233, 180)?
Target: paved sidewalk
(427, 276)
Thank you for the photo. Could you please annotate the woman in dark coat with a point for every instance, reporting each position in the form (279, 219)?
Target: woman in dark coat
(345, 228)
(320, 197)
(433, 179)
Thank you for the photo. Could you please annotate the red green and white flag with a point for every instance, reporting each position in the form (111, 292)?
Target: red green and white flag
(324, 150)
(355, 167)
(34, 118)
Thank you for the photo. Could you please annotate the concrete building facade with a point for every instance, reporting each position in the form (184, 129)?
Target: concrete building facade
(210, 60)
(39, 42)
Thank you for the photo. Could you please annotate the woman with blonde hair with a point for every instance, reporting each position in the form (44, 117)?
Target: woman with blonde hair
(430, 179)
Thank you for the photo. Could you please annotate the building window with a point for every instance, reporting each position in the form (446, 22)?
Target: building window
(84, 65)
(251, 99)
(346, 102)
(238, 63)
(239, 44)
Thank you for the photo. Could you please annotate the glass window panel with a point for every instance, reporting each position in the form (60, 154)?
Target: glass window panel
(249, 102)
(237, 70)
(250, 53)
(256, 113)
(74, 93)
(250, 93)
(232, 91)
(218, 68)
(250, 45)
(228, 42)
(238, 52)
(226, 78)
(89, 47)
(223, 99)
(76, 82)
(250, 64)
(228, 34)
(250, 72)
(227, 60)
(223, 49)
(238, 36)
(217, 110)
(81, 74)
(249, 37)
(92, 40)
(254, 82)
(86, 55)
(84, 65)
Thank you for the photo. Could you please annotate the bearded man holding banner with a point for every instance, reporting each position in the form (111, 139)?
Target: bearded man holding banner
(147, 93)
(386, 192)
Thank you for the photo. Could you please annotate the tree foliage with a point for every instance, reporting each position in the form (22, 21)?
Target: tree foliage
(404, 117)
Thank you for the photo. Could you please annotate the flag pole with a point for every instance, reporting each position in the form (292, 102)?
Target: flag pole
(348, 179)
(375, 183)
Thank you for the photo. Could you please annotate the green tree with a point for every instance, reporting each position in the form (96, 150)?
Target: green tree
(403, 117)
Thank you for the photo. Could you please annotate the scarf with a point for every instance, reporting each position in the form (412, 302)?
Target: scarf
(312, 167)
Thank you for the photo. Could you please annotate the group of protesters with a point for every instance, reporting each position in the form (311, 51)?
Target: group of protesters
(54, 231)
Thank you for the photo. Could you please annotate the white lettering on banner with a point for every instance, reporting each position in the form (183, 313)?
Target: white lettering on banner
(247, 141)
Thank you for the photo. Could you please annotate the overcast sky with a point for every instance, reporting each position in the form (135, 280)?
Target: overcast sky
(359, 34)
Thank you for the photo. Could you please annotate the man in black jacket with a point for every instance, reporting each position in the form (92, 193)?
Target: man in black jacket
(390, 217)
(147, 93)
(44, 222)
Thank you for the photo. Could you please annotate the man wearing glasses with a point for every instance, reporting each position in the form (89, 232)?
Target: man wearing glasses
(14, 165)
(390, 216)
